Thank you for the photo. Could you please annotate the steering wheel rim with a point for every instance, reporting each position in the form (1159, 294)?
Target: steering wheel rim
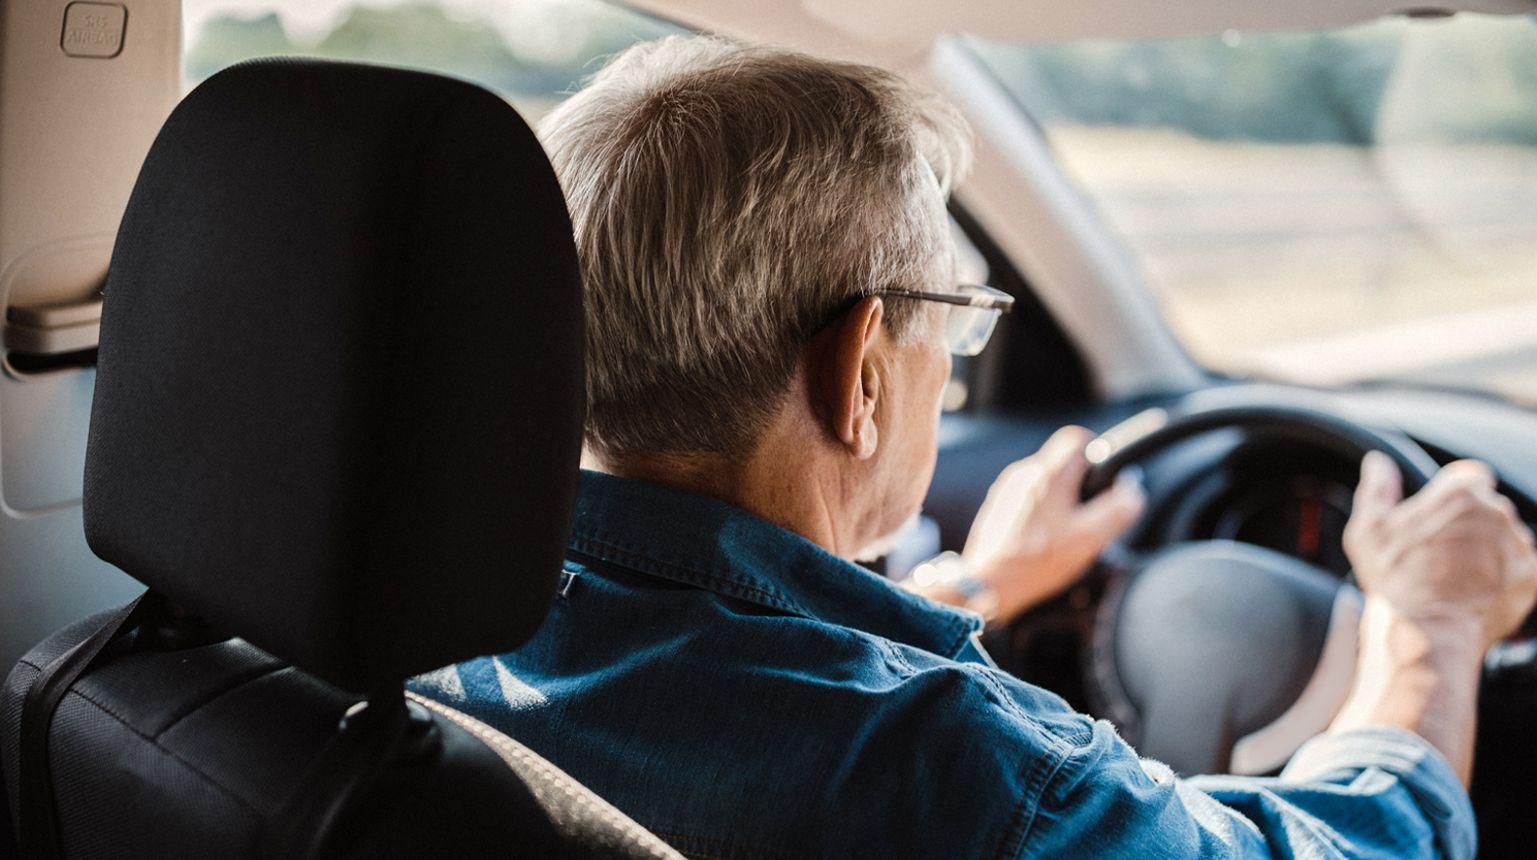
(1145, 582)
(1154, 430)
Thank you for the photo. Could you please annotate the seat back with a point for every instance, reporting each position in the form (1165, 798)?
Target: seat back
(335, 431)
(196, 751)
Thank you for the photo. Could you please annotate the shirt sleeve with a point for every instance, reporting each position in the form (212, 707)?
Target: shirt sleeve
(1370, 793)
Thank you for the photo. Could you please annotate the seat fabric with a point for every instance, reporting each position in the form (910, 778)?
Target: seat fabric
(200, 768)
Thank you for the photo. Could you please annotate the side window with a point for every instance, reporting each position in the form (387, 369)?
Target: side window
(532, 53)
(1031, 364)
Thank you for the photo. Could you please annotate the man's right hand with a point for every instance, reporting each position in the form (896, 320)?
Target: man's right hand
(1455, 554)
(1446, 574)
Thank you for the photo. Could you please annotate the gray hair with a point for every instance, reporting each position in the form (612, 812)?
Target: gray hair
(728, 200)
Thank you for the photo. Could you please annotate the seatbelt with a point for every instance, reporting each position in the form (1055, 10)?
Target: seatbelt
(346, 767)
(37, 814)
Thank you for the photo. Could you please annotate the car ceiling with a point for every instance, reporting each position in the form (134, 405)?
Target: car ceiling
(893, 29)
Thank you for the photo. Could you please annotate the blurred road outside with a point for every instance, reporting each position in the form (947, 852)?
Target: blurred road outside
(1328, 263)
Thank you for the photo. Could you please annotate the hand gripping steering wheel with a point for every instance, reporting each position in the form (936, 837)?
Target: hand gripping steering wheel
(1218, 656)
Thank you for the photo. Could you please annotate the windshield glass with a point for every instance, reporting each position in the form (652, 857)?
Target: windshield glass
(533, 52)
(1321, 207)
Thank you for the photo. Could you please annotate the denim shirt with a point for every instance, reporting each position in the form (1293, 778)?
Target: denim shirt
(743, 693)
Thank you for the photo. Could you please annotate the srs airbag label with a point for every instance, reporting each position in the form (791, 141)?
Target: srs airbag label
(93, 29)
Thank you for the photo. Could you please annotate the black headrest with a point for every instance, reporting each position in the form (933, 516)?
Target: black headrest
(339, 401)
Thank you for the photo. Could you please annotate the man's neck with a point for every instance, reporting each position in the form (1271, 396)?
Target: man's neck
(798, 499)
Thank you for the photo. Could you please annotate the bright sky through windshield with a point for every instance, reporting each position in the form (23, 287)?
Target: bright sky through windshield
(314, 18)
(532, 51)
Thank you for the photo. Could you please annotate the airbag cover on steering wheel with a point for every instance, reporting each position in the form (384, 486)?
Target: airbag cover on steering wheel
(1250, 622)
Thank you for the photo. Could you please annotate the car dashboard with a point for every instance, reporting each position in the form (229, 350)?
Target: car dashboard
(1252, 489)
(1228, 484)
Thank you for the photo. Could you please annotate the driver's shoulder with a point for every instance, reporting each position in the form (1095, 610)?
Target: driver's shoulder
(979, 701)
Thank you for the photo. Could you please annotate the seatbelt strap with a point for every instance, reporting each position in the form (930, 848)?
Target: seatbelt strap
(346, 767)
(37, 813)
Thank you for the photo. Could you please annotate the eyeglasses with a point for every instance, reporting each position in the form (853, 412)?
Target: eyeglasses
(973, 315)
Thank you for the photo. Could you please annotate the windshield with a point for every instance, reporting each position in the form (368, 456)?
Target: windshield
(534, 52)
(1321, 207)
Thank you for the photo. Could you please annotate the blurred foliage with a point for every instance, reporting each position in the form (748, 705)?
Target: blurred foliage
(1465, 79)
(227, 40)
(566, 40)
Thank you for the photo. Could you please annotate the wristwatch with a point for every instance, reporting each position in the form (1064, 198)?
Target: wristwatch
(950, 570)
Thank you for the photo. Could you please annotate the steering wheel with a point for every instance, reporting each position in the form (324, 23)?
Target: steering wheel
(1219, 656)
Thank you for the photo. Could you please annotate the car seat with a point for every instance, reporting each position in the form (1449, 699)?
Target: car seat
(335, 432)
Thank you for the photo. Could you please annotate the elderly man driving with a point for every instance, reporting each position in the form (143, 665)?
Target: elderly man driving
(771, 309)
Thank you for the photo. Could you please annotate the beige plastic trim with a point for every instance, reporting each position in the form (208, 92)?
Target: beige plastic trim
(84, 87)
(53, 329)
(1267, 748)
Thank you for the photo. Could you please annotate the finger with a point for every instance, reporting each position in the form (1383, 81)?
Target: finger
(1056, 450)
(1066, 444)
(1067, 478)
(1469, 473)
(1522, 529)
(1458, 489)
(1381, 486)
(1452, 487)
(1108, 515)
(1062, 457)
(1505, 506)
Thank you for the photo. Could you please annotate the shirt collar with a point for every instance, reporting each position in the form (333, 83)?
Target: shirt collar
(709, 544)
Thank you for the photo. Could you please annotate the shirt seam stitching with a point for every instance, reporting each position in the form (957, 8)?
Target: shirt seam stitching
(634, 557)
(1026, 812)
(896, 654)
(964, 630)
(641, 559)
(1077, 738)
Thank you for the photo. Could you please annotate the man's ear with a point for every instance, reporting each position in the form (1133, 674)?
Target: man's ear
(854, 378)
